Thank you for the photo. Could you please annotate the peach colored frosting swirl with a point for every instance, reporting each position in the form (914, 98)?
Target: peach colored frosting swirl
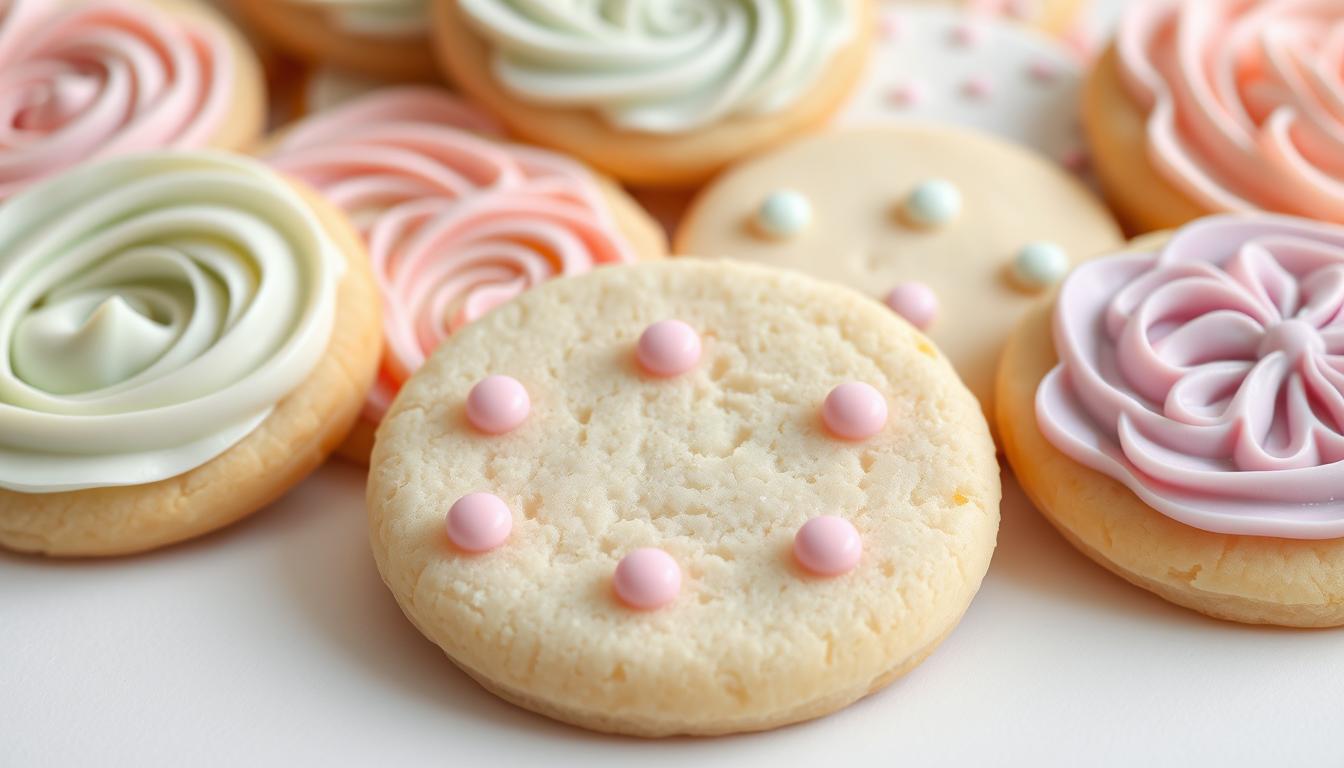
(455, 222)
(1245, 100)
(1209, 377)
(103, 78)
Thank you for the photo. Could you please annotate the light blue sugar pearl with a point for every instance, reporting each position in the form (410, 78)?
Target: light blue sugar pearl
(934, 203)
(1040, 265)
(784, 213)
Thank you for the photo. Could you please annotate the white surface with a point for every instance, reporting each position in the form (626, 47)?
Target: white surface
(274, 642)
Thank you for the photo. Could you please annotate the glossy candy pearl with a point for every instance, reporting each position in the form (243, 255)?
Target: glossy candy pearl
(647, 578)
(828, 546)
(854, 411)
(934, 203)
(783, 214)
(479, 522)
(668, 348)
(1040, 265)
(498, 404)
(916, 302)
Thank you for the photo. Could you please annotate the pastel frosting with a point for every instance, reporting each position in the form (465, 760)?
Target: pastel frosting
(378, 18)
(103, 78)
(1245, 100)
(456, 223)
(1208, 376)
(663, 66)
(153, 311)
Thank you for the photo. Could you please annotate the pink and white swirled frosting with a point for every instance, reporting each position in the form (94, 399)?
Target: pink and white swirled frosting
(93, 80)
(1209, 377)
(1245, 100)
(456, 222)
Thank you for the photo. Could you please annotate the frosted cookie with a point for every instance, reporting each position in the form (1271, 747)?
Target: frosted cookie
(656, 92)
(382, 38)
(185, 336)
(718, 499)
(1258, 124)
(958, 231)
(456, 223)
(941, 64)
(1186, 427)
(85, 81)
(1056, 16)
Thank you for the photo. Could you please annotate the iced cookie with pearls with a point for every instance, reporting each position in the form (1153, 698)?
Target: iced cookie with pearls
(720, 498)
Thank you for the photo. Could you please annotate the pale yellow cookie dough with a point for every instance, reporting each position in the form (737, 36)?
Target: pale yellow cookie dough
(719, 467)
(294, 440)
(1251, 579)
(857, 182)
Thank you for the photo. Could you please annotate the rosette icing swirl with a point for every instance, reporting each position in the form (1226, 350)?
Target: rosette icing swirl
(1245, 100)
(663, 66)
(389, 18)
(153, 310)
(101, 79)
(1209, 377)
(455, 223)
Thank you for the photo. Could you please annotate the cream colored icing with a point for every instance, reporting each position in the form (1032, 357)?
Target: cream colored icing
(153, 310)
(379, 18)
(663, 66)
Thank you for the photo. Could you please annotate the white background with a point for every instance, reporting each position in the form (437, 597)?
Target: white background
(275, 642)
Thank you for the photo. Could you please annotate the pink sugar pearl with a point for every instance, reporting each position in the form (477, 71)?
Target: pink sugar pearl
(854, 411)
(828, 546)
(498, 404)
(916, 302)
(647, 579)
(479, 522)
(669, 348)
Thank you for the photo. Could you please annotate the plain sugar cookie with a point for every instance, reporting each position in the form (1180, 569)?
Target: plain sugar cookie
(958, 231)
(719, 498)
(1184, 429)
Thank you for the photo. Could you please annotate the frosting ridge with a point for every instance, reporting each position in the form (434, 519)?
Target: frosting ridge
(1209, 377)
(1245, 100)
(663, 66)
(153, 310)
(456, 223)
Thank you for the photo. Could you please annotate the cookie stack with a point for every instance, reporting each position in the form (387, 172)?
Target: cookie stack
(726, 484)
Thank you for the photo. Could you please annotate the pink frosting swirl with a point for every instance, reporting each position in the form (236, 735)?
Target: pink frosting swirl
(101, 79)
(1245, 100)
(455, 223)
(1209, 377)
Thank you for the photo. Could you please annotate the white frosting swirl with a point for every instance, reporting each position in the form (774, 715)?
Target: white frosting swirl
(153, 310)
(379, 18)
(663, 66)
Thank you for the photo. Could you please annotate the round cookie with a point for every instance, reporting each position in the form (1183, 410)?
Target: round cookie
(1055, 16)
(386, 39)
(185, 335)
(933, 209)
(677, 466)
(940, 64)
(455, 222)
(86, 81)
(1172, 143)
(649, 96)
(1186, 439)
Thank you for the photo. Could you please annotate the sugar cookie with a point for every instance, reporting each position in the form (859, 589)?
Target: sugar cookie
(941, 64)
(186, 336)
(689, 549)
(1258, 125)
(382, 38)
(1184, 430)
(931, 218)
(656, 92)
(85, 81)
(455, 222)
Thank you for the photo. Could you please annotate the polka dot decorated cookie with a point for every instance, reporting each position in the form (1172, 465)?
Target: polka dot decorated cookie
(943, 64)
(722, 498)
(954, 231)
